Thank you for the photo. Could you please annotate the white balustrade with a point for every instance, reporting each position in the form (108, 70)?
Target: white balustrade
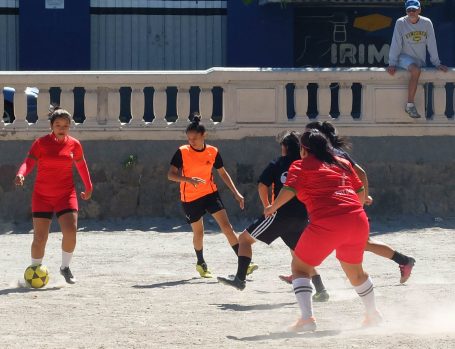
(183, 105)
(254, 100)
(159, 106)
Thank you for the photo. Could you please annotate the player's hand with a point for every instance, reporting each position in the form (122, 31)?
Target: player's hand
(369, 200)
(195, 181)
(442, 67)
(86, 195)
(269, 211)
(391, 69)
(19, 180)
(240, 199)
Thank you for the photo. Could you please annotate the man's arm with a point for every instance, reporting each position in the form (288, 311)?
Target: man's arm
(395, 49)
(433, 48)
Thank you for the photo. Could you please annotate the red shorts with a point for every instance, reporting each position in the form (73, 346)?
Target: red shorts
(347, 234)
(42, 203)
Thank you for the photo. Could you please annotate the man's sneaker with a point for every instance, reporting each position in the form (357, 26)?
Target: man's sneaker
(303, 325)
(252, 267)
(233, 281)
(203, 271)
(68, 275)
(406, 269)
(322, 296)
(412, 111)
(286, 278)
(373, 319)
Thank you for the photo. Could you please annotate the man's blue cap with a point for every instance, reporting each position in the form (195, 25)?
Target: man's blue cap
(415, 4)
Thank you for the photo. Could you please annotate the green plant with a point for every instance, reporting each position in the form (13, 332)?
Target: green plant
(130, 161)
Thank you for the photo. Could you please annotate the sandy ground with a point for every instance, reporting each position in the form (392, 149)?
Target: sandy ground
(138, 288)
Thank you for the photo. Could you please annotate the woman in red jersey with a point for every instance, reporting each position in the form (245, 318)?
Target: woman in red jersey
(192, 166)
(334, 196)
(54, 189)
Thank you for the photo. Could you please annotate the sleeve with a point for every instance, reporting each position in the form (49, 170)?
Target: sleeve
(357, 184)
(35, 151)
(78, 154)
(29, 163)
(432, 46)
(85, 175)
(177, 159)
(266, 176)
(218, 161)
(396, 45)
(293, 178)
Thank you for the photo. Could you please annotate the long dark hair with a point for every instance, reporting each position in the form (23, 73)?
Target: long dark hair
(316, 143)
(290, 140)
(195, 125)
(330, 132)
(56, 112)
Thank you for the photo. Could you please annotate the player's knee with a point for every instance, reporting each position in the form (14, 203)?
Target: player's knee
(414, 70)
(245, 239)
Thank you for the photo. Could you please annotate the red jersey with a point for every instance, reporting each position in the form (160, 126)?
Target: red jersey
(326, 190)
(55, 164)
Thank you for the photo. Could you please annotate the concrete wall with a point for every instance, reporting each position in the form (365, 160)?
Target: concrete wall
(408, 175)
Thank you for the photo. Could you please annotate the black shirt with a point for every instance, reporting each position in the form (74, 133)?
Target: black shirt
(275, 174)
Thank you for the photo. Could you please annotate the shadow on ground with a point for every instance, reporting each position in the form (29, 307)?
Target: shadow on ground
(379, 225)
(26, 290)
(171, 283)
(286, 335)
(239, 307)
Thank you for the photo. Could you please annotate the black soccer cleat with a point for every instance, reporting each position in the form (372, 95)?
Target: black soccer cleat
(68, 275)
(233, 281)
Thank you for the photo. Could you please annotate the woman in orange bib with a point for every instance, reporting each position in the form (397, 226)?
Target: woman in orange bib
(192, 166)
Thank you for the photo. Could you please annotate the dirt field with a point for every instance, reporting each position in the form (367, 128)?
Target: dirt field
(138, 289)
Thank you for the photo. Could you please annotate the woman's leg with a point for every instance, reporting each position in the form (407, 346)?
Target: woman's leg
(68, 225)
(364, 287)
(301, 282)
(198, 244)
(223, 221)
(40, 234)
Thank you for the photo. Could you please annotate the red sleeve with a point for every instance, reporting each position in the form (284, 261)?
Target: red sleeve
(293, 178)
(29, 163)
(82, 168)
(35, 150)
(355, 180)
(78, 153)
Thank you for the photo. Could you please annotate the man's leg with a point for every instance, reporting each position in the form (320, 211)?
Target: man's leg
(415, 71)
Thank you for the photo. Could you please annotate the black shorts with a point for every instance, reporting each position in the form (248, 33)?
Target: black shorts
(194, 210)
(287, 227)
(49, 215)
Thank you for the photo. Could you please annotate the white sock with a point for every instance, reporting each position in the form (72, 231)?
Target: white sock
(410, 104)
(36, 261)
(303, 291)
(66, 259)
(366, 293)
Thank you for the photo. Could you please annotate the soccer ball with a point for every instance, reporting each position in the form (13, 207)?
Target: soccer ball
(36, 276)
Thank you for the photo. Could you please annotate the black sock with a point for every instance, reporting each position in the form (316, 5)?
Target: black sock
(242, 268)
(200, 256)
(399, 258)
(236, 248)
(317, 282)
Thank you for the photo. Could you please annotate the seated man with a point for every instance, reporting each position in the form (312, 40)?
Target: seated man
(411, 37)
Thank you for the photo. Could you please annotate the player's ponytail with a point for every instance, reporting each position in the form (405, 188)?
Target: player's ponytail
(316, 143)
(290, 140)
(56, 112)
(195, 125)
(330, 132)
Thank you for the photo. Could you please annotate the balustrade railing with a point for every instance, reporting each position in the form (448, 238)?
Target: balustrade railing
(227, 98)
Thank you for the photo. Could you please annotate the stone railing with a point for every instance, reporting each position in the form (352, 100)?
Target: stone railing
(236, 102)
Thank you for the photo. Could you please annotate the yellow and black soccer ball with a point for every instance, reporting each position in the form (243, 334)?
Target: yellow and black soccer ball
(36, 276)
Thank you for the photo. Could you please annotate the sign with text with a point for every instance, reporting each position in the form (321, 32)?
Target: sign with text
(342, 37)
